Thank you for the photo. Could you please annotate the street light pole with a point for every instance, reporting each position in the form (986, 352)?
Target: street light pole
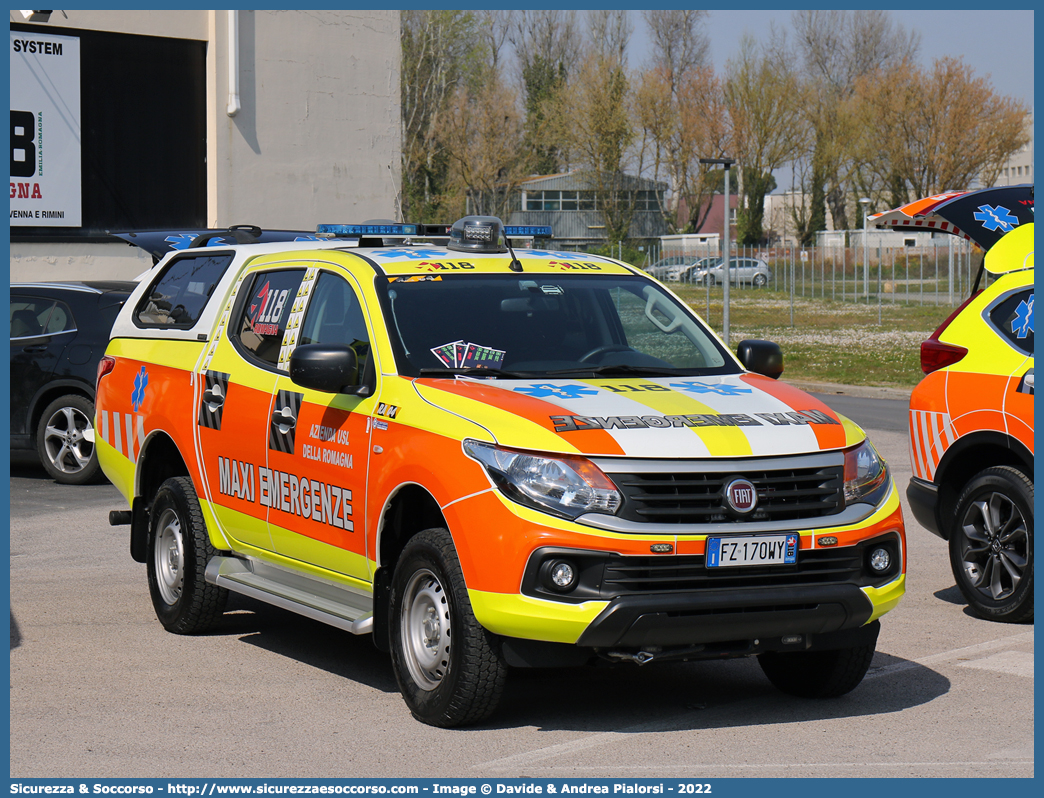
(727, 163)
(865, 202)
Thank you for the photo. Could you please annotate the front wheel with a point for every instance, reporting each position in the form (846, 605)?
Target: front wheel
(817, 674)
(991, 544)
(179, 549)
(446, 664)
(65, 440)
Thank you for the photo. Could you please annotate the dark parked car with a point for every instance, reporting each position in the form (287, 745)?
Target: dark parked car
(59, 332)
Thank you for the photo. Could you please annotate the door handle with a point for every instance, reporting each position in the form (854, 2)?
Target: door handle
(213, 397)
(284, 417)
(34, 349)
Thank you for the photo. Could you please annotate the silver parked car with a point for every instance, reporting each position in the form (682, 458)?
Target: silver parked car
(668, 268)
(742, 271)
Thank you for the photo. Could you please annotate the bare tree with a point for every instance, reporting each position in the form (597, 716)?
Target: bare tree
(595, 123)
(679, 44)
(837, 48)
(679, 106)
(494, 29)
(610, 33)
(436, 58)
(482, 135)
(682, 126)
(546, 50)
(927, 132)
(768, 128)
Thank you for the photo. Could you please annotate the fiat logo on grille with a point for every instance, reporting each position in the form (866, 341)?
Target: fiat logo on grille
(741, 495)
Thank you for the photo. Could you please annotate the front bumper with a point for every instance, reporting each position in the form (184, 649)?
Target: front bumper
(629, 596)
(731, 614)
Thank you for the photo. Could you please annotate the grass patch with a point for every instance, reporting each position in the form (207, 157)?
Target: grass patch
(829, 341)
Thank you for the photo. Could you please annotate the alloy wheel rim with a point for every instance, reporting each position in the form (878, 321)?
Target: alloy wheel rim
(69, 440)
(995, 546)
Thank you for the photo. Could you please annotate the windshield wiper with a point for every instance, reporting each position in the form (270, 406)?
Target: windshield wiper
(625, 370)
(475, 371)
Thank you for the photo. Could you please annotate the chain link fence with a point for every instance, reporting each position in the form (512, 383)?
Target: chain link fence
(941, 273)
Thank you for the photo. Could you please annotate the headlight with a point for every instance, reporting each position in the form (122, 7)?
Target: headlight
(564, 485)
(866, 475)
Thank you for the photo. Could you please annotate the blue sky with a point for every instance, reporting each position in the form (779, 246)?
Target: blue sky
(995, 43)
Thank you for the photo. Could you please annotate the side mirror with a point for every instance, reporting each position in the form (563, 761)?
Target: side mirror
(330, 368)
(761, 357)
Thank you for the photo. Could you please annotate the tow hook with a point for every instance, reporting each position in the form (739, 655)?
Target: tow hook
(640, 658)
(645, 657)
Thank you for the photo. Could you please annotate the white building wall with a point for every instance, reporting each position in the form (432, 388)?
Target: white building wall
(317, 138)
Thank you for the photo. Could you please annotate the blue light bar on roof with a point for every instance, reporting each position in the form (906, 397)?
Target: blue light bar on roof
(353, 230)
(528, 231)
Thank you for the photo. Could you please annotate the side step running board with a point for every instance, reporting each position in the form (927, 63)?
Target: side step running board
(319, 600)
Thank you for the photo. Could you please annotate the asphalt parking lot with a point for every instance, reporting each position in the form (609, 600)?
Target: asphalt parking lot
(98, 689)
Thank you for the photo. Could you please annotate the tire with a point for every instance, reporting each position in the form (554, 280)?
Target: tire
(448, 667)
(991, 544)
(65, 440)
(179, 549)
(817, 674)
(760, 281)
(711, 281)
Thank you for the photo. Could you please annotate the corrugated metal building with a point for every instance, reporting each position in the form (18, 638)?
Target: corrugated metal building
(568, 203)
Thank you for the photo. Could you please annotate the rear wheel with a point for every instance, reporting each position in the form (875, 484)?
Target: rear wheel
(178, 553)
(446, 664)
(760, 281)
(817, 674)
(991, 544)
(65, 440)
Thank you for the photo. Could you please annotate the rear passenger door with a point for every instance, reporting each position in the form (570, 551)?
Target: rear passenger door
(41, 328)
(318, 443)
(234, 389)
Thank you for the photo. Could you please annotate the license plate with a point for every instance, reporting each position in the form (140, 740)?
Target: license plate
(752, 550)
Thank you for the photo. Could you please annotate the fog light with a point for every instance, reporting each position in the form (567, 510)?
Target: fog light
(880, 559)
(562, 574)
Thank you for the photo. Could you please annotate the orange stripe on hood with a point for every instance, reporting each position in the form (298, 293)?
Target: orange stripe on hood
(829, 436)
(591, 441)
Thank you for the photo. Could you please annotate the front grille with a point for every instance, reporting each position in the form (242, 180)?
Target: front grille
(699, 498)
(636, 575)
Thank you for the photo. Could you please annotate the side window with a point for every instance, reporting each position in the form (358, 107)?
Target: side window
(178, 297)
(61, 319)
(335, 316)
(29, 315)
(265, 312)
(1012, 317)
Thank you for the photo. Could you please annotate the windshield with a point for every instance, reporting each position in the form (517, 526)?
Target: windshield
(544, 325)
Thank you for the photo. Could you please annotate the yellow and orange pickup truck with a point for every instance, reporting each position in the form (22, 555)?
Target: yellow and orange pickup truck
(487, 458)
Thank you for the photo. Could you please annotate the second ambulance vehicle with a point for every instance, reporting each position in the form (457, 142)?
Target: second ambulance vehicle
(488, 459)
